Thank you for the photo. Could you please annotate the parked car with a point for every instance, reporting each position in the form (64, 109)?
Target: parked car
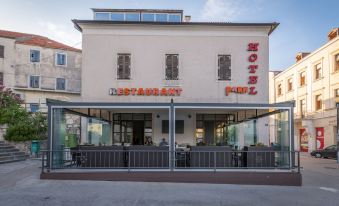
(328, 152)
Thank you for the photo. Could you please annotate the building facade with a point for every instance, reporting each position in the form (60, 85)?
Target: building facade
(37, 68)
(313, 82)
(153, 81)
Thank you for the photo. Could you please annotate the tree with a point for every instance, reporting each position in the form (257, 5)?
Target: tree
(22, 125)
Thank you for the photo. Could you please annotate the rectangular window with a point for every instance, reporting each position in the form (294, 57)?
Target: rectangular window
(224, 67)
(302, 106)
(336, 62)
(60, 84)
(147, 17)
(132, 17)
(317, 71)
(124, 66)
(34, 107)
(179, 126)
(2, 51)
(34, 81)
(61, 59)
(172, 67)
(318, 102)
(279, 90)
(1, 79)
(289, 84)
(104, 16)
(302, 78)
(174, 18)
(117, 16)
(35, 56)
(161, 17)
(336, 92)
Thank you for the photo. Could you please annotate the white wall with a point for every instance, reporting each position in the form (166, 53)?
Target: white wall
(198, 48)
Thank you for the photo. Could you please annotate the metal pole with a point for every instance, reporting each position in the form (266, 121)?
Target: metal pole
(42, 162)
(171, 131)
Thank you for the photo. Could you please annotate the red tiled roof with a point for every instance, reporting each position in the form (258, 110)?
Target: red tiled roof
(36, 40)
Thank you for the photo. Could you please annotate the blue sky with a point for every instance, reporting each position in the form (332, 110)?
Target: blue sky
(304, 24)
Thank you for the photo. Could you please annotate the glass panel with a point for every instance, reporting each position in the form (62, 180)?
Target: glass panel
(148, 116)
(116, 116)
(126, 117)
(138, 116)
(116, 127)
(102, 16)
(129, 126)
(199, 116)
(148, 124)
(200, 124)
(117, 17)
(147, 17)
(174, 18)
(132, 17)
(116, 138)
(128, 138)
(220, 117)
(209, 117)
(250, 133)
(161, 17)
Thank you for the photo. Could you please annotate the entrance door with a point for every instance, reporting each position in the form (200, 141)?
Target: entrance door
(138, 132)
(209, 132)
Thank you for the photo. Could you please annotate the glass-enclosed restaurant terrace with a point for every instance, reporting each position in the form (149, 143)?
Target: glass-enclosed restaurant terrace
(170, 136)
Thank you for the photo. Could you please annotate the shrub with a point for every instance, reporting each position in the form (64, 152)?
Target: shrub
(22, 125)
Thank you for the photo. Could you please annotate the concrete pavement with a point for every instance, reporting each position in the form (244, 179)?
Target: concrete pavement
(20, 185)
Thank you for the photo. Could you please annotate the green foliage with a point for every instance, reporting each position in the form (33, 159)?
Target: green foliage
(22, 125)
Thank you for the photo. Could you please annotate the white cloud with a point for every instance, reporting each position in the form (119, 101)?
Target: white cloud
(61, 33)
(228, 10)
(219, 10)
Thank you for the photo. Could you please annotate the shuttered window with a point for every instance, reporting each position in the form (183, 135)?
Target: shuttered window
(35, 56)
(172, 67)
(224, 67)
(1, 79)
(34, 81)
(2, 51)
(60, 84)
(124, 66)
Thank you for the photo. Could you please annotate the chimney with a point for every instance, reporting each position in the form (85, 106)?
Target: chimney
(301, 55)
(333, 34)
(187, 18)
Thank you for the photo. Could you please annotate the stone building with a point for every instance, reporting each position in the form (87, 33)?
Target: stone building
(313, 82)
(37, 68)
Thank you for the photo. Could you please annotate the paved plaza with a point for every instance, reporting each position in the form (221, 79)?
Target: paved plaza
(20, 185)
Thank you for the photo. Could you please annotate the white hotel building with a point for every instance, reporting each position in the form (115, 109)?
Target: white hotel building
(149, 75)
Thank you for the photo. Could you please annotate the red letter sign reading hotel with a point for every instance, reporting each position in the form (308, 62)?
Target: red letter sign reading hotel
(252, 79)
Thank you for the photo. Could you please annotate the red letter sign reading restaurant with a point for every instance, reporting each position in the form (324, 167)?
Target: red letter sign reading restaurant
(145, 92)
(252, 69)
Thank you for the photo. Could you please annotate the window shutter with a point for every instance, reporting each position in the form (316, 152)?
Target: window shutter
(1, 79)
(224, 67)
(127, 68)
(120, 66)
(2, 51)
(172, 67)
(175, 67)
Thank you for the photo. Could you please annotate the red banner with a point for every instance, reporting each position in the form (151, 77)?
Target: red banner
(303, 140)
(320, 137)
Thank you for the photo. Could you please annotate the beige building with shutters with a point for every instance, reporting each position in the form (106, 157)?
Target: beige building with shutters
(313, 82)
(37, 68)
